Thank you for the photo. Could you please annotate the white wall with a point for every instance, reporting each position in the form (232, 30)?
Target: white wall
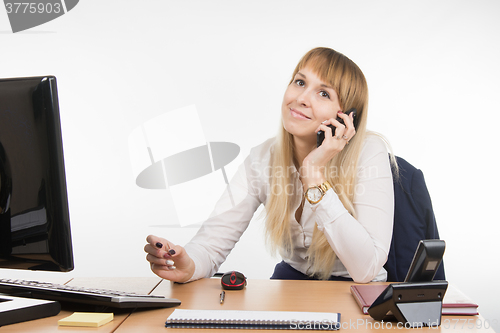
(432, 69)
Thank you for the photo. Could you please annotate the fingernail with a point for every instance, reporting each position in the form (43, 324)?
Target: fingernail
(171, 267)
(159, 245)
(170, 262)
(171, 252)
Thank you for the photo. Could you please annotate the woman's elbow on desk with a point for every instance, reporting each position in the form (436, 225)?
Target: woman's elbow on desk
(363, 279)
(366, 272)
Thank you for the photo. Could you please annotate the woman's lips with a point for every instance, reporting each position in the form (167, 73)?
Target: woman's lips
(299, 115)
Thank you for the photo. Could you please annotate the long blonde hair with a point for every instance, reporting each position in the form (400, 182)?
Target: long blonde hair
(350, 85)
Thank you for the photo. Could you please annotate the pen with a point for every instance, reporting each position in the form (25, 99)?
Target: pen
(222, 294)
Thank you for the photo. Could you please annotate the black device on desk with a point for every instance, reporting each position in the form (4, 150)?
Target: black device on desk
(34, 217)
(426, 261)
(418, 301)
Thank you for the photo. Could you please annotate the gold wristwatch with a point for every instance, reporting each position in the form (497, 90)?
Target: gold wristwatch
(314, 194)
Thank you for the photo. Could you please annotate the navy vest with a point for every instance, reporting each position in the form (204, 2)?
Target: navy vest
(413, 221)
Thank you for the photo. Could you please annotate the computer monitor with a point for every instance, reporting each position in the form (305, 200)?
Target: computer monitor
(34, 217)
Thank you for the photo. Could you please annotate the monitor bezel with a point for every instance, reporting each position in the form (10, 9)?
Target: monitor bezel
(59, 240)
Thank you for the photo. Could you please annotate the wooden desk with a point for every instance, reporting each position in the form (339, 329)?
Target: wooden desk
(277, 295)
(262, 295)
(45, 325)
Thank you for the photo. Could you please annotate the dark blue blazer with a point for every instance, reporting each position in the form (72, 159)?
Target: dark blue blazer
(413, 221)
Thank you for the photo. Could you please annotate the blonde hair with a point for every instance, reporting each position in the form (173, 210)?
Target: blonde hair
(350, 85)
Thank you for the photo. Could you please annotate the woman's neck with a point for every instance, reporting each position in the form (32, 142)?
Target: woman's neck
(302, 148)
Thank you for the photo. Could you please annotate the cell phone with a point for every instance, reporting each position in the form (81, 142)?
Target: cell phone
(321, 135)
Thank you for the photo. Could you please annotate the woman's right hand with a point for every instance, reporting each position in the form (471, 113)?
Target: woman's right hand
(168, 261)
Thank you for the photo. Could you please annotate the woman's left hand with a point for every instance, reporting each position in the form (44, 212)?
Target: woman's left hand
(313, 165)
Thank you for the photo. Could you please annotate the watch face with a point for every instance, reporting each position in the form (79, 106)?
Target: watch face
(314, 194)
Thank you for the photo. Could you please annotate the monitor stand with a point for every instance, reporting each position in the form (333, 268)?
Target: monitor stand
(18, 309)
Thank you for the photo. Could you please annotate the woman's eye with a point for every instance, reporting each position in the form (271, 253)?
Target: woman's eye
(300, 83)
(324, 94)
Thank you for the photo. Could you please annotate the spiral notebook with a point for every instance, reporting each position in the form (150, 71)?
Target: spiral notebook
(181, 318)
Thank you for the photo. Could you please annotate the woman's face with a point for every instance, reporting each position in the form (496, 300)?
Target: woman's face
(308, 101)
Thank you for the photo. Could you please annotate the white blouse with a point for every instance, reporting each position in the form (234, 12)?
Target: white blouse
(361, 244)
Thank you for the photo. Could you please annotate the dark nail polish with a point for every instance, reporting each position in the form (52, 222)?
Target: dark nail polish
(159, 245)
(171, 252)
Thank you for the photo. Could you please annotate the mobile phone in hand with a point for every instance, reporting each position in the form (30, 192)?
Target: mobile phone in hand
(321, 135)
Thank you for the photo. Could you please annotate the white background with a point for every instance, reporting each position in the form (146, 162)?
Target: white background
(432, 69)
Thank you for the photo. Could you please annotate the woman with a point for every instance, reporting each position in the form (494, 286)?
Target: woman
(329, 209)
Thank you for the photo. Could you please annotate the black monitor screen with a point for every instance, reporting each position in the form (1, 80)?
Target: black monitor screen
(34, 219)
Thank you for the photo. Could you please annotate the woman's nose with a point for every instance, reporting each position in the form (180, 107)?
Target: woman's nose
(304, 98)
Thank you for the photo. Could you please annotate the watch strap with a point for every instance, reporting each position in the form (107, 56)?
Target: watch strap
(325, 186)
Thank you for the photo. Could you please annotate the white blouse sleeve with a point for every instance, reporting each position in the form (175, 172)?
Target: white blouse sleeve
(362, 244)
(231, 215)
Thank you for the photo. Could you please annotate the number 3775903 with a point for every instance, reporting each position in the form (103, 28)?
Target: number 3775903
(33, 7)
(470, 323)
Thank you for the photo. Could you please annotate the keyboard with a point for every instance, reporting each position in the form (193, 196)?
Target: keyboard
(79, 295)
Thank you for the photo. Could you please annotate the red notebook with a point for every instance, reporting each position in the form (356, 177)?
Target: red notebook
(454, 303)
